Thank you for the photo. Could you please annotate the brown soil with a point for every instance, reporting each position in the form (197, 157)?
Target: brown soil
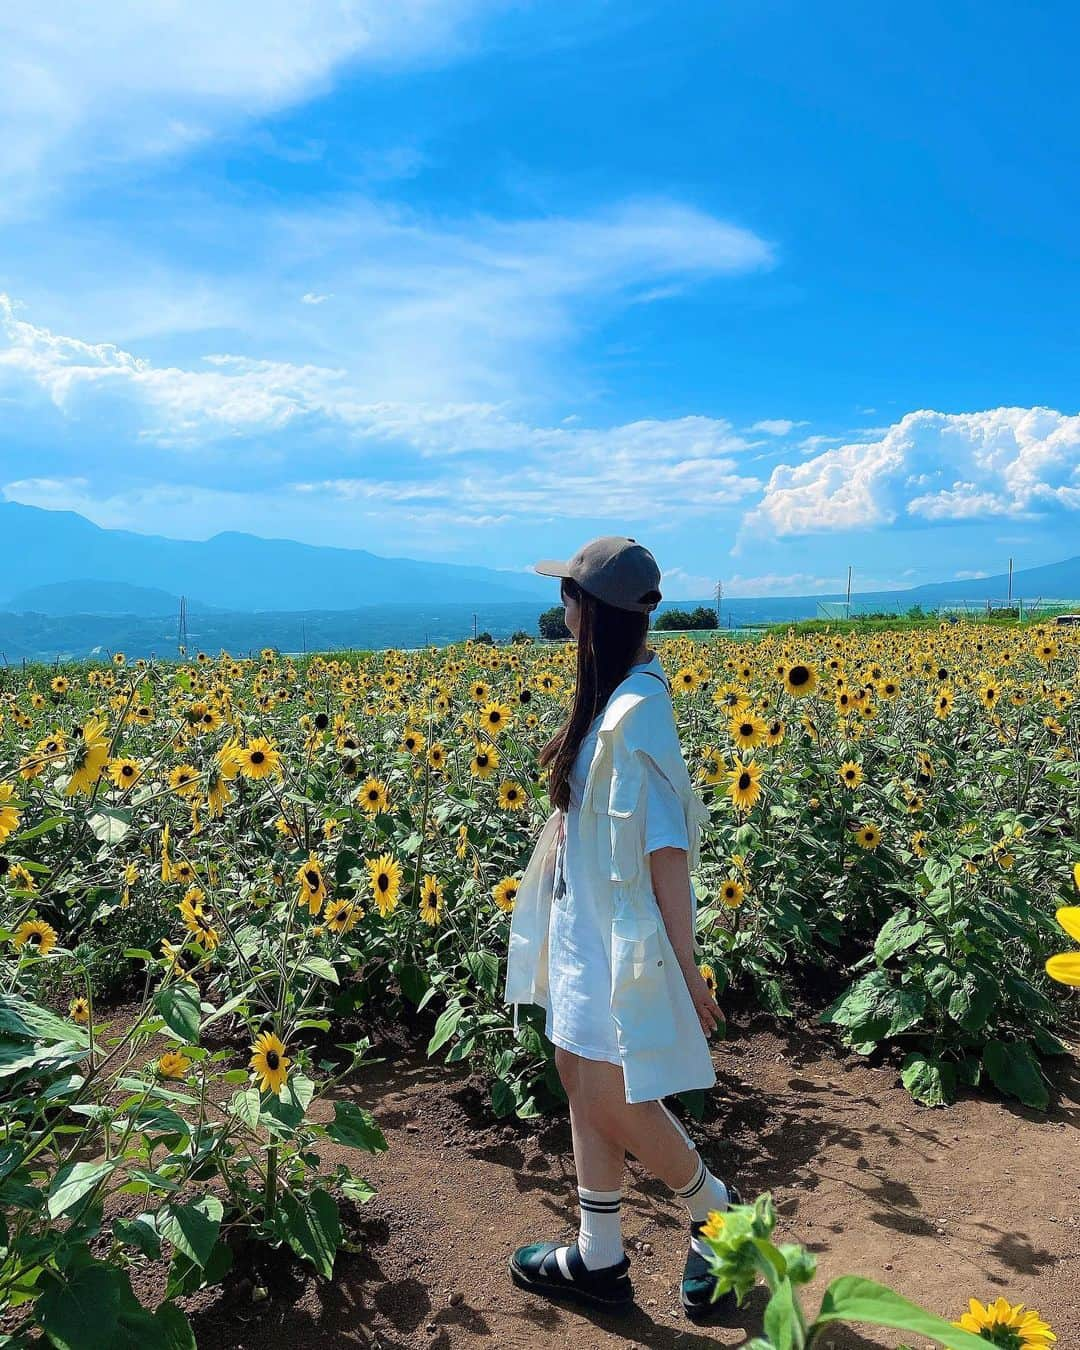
(978, 1199)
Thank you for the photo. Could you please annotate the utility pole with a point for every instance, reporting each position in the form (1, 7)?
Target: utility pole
(181, 629)
(719, 600)
(474, 627)
(1010, 581)
(849, 591)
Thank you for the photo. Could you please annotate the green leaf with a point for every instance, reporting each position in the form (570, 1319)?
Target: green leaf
(139, 1232)
(73, 1182)
(43, 827)
(180, 1008)
(312, 1228)
(972, 1001)
(289, 1108)
(930, 1081)
(1015, 1071)
(356, 1128)
(780, 1317)
(185, 1275)
(318, 965)
(897, 934)
(192, 1228)
(94, 1308)
(445, 1027)
(247, 1105)
(356, 1188)
(503, 1100)
(110, 823)
(907, 1004)
(484, 968)
(854, 1299)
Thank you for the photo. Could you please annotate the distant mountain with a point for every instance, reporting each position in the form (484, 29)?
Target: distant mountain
(1054, 581)
(109, 598)
(239, 571)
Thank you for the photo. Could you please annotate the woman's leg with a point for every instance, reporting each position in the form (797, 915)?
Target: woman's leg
(606, 1127)
(599, 1157)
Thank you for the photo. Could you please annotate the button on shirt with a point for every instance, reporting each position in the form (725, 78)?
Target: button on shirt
(579, 931)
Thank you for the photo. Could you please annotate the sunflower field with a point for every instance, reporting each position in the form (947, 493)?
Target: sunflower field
(257, 856)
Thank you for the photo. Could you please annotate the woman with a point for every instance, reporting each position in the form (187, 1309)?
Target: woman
(603, 935)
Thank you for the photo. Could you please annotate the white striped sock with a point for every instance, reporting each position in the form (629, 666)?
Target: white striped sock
(702, 1193)
(600, 1237)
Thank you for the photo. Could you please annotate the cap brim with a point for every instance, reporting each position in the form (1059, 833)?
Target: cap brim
(552, 567)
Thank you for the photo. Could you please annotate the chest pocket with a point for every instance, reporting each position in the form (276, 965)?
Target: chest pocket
(626, 820)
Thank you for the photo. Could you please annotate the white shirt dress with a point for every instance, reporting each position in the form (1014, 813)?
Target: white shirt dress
(579, 931)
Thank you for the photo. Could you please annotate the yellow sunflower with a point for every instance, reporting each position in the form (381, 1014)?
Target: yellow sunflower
(269, 1062)
(196, 919)
(800, 679)
(259, 758)
(35, 933)
(173, 1065)
(342, 916)
(90, 755)
(1004, 1323)
(124, 772)
(384, 875)
(9, 815)
(79, 1010)
(431, 900)
(312, 885)
(1065, 966)
(744, 785)
(748, 731)
(867, 835)
(851, 774)
(511, 796)
(504, 893)
(184, 780)
(732, 892)
(373, 796)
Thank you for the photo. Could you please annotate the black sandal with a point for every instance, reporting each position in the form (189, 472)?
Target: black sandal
(698, 1281)
(536, 1268)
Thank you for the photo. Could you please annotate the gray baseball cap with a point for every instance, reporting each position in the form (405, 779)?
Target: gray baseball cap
(617, 570)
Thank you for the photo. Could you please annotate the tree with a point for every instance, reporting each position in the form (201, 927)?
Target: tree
(552, 624)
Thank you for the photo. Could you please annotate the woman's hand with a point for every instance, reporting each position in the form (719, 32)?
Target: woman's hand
(706, 1007)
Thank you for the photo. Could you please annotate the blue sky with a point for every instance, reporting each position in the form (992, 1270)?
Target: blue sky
(773, 287)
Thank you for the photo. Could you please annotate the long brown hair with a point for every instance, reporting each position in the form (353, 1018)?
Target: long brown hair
(608, 640)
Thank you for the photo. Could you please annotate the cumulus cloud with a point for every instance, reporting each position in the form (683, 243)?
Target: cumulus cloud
(310, 298)
(930, 466)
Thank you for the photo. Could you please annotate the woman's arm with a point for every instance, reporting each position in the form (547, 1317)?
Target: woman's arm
(671, 886)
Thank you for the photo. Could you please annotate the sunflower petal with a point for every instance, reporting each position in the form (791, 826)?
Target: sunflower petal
(1069, 918)
(1065, 968)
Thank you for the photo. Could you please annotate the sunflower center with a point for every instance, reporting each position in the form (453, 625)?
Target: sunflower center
(272, 1061)
(744, 781)
(312, 879)
(383, 882)
(257, 757)
(798, 675)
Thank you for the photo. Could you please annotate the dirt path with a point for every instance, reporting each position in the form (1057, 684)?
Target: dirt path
(978, 1199)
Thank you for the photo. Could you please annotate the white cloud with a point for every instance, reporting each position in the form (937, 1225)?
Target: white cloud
(773, 583)
(1012, 462)
(777, 426)
(310, 298)
(83, 83)
(442, 324)
(966, 575)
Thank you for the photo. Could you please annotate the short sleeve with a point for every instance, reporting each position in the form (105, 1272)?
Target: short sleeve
(665, 820)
